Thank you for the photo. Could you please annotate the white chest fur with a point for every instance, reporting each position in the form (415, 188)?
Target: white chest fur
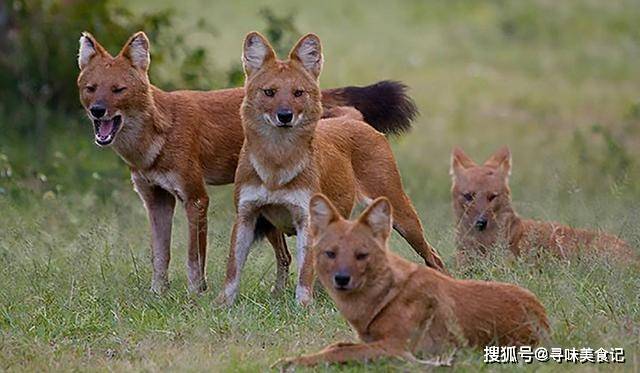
(285, 208)
(169, 181)
(279, 177)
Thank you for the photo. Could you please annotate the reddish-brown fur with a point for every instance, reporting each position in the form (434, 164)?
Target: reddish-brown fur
(282, 164)
(401, 309)
(481, 193)
(174, 143)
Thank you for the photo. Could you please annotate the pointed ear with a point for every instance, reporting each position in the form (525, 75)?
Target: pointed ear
(378, 218)
(137, 51)
(501, 160)
(256, 52)
(89, 48)
(308, 51)
(459, 161)
(321, 214)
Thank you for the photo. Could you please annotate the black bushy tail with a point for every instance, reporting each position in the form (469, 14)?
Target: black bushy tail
(384, 105)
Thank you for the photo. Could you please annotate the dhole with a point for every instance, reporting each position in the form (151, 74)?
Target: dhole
(401, 309)
(482, 207)
(289, 154)
(176, 142)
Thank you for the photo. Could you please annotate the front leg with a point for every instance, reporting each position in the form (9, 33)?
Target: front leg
(160, 206)
(304, 288)
(196, 206)
(242, 238)
(345, 352)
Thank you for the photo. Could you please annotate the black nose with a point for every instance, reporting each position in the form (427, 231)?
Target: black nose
(481, 224)
(285, 116)
(341, 279)
(97, 110)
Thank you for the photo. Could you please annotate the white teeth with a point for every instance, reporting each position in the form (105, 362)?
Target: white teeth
(104, 140)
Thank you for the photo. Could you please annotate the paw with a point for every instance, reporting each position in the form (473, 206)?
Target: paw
(222, 300)
(278, 289)
(198, 287)
(436, 362)
(303, 296)
(159, 287)
(288, 364)
(436, 263)
(282, 365)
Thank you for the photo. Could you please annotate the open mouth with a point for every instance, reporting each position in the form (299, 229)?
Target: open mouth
(106, 129)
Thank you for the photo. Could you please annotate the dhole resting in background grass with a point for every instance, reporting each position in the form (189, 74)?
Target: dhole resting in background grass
(485, 217)
(289, 154)
(401, 309)
(176, 142)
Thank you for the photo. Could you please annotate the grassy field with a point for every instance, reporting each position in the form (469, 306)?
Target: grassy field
(557, 81)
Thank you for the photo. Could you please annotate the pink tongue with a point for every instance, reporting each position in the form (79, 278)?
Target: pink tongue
(105, 128)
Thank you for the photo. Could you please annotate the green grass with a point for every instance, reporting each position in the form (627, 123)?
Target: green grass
(557, 81)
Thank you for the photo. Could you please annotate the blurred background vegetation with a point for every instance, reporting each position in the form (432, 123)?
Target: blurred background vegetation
(558, 81)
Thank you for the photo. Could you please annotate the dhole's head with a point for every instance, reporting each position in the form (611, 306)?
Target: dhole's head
(349, 254)
(480, 193)
(113, 90)
(281, 94)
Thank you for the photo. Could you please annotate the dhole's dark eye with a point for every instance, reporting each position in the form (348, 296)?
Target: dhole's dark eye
(468, 197)
(90, 88)
(118, 89)
(330, 254)
(298, 92)
(492, 196)
(362, 256)
(269, 92)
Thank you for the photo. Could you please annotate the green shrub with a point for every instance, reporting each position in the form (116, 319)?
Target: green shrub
(39, 42)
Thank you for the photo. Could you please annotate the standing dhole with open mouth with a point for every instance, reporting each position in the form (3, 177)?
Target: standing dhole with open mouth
(485, 216)
(176, 142)
(401, 309)
(289, 154)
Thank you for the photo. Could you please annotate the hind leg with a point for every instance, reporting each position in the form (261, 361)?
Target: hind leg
(407, 223)
(283, 260)
(378, 176)
(196, 208)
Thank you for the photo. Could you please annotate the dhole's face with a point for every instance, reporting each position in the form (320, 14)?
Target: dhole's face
(480, 194)
(110, 91)
(348, 257)
(114, 90)
(283, 96)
